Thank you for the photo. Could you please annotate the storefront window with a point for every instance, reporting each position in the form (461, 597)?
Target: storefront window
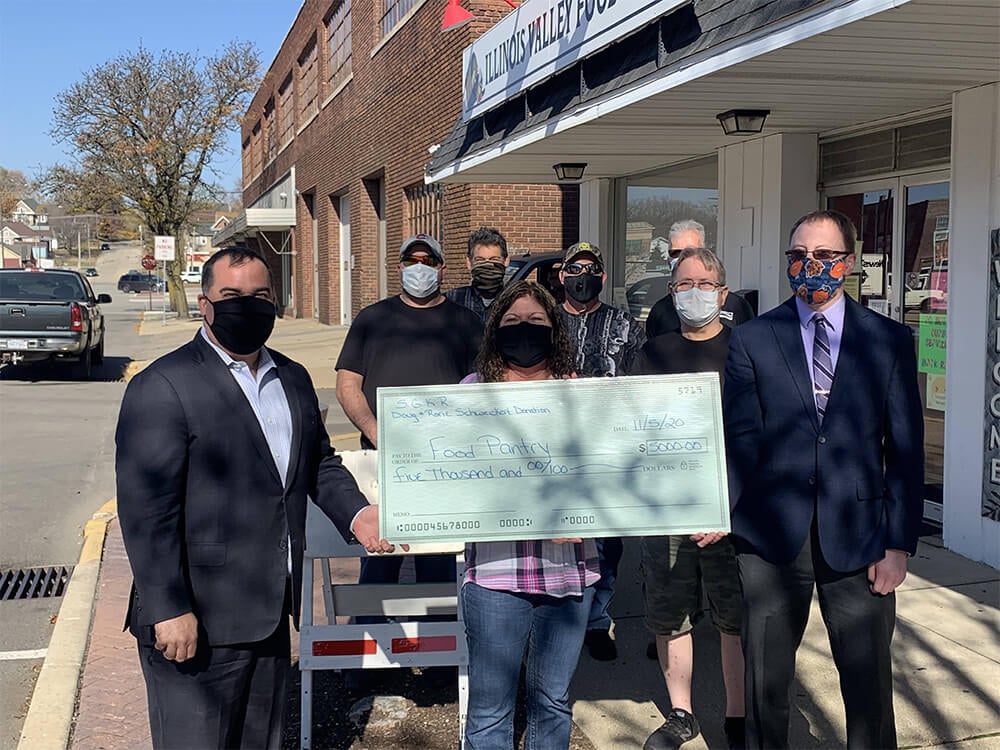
(654, 203)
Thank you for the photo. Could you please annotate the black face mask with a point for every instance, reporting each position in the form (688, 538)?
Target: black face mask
(524, 344)
(242, 324)
(487, 278)
(583, 288)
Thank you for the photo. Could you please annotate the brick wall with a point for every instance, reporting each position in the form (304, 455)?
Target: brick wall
(400, 101)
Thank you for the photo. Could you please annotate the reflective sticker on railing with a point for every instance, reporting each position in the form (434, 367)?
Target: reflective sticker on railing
(362, 647)
(425, 643)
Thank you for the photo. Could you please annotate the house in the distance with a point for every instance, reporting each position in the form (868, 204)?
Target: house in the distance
(30, 212)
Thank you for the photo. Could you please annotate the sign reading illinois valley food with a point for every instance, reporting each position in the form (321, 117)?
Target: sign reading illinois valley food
(560, 458)
(541, 38)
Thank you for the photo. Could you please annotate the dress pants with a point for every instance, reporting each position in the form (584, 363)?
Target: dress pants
(225, 697)
(859, 624)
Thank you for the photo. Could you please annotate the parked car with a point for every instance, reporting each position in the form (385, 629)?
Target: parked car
(191, 276)
(543, 268)
(105, 246)
(645, 293)
(90, 272)
(137, 281)
(50, 315)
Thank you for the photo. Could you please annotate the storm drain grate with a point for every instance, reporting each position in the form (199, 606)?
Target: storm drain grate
(33, 583)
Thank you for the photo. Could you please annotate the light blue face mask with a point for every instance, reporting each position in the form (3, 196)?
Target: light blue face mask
(696, 307)
(420, 280)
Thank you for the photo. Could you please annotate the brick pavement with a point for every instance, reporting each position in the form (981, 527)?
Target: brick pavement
(111, 714)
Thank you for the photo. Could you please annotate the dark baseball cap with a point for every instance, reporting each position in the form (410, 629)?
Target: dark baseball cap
(580, 248)
(421, 239)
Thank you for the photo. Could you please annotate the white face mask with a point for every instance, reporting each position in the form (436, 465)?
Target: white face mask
(420, 280)
(696, 307)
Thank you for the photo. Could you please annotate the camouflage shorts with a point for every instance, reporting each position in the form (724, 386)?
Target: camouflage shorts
(676, 572)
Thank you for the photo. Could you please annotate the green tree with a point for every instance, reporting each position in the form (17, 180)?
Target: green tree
(145, 129)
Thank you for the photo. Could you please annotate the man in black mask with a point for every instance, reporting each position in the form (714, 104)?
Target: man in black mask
(607, 341)
(487, 261)
(218, 444)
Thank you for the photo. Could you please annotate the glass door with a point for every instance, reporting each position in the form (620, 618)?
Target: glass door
(925, 308)
(902, 273)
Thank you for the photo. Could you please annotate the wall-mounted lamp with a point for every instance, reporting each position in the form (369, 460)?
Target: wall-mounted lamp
(283, 197)
(569, 171)
(743, 121)
(455, 16)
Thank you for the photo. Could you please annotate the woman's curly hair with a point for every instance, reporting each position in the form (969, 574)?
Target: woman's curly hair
(491, 365)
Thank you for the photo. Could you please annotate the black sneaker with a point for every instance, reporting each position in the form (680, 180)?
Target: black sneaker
(600, 645)
(736, 732)
(679, 727)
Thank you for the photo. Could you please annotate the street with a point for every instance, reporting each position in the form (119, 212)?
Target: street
(56, 470)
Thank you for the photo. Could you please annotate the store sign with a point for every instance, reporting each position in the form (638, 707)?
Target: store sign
(991, 444)
(931, 343)
(541, 38)
(873, 274)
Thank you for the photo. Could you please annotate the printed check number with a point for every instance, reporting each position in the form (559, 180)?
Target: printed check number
(570, 458)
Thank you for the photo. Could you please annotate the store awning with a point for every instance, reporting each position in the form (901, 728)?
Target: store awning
(651, 100)
(252, 222)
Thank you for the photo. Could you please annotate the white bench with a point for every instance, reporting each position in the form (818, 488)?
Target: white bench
(330, 645)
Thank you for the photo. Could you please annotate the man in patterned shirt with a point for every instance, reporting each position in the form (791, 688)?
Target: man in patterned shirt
(607, 341)
(487, 261)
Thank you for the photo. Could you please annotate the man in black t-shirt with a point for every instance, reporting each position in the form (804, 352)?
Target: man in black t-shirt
(676, 569)
(416, 338)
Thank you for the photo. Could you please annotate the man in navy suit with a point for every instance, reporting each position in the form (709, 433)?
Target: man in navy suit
(218, 445)
(824, 433)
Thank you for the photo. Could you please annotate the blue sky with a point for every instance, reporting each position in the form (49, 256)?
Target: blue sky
(46, 46)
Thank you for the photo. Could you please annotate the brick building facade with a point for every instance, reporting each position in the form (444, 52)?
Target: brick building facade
(337, 138)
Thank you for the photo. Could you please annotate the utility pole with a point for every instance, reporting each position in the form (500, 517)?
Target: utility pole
(79, 254)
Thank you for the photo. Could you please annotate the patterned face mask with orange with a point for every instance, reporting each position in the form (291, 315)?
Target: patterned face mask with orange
(816, 281)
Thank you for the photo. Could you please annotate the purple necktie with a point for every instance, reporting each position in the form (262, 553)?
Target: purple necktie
(822, 365)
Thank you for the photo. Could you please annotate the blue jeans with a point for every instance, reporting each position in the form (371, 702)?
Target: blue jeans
(499, 627)
(609, 554)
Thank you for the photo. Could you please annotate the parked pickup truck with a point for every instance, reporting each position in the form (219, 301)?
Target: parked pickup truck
(50, 315)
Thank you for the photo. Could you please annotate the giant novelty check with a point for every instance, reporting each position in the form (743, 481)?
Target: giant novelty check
(559, 458)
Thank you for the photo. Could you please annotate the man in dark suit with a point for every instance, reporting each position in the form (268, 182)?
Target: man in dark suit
(218, 445)
(824, 433)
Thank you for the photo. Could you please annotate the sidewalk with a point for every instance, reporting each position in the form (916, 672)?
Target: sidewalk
(946, 649)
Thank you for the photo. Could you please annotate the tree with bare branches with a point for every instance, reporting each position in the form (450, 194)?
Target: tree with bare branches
(146, 128)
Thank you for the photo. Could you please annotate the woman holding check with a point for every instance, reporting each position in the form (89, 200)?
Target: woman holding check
(524, 601)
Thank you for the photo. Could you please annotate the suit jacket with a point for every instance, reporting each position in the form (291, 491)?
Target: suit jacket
(205, 517)
(861, 471)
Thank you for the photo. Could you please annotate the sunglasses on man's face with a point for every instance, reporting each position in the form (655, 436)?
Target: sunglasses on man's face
(427, 260)
(794, 255)
(575, 269)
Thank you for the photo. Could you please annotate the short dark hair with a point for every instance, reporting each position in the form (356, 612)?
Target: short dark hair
(844, 224)
(237, 255)
(487, 236)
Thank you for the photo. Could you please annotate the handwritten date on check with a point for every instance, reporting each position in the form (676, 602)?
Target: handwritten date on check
(628, 456)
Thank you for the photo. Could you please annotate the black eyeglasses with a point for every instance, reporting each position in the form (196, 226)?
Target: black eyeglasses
(427, 260)
(794, 255)
(575, 269)
(687, 286)
(676, 251)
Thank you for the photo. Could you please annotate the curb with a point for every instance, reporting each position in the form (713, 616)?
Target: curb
(53, 702)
